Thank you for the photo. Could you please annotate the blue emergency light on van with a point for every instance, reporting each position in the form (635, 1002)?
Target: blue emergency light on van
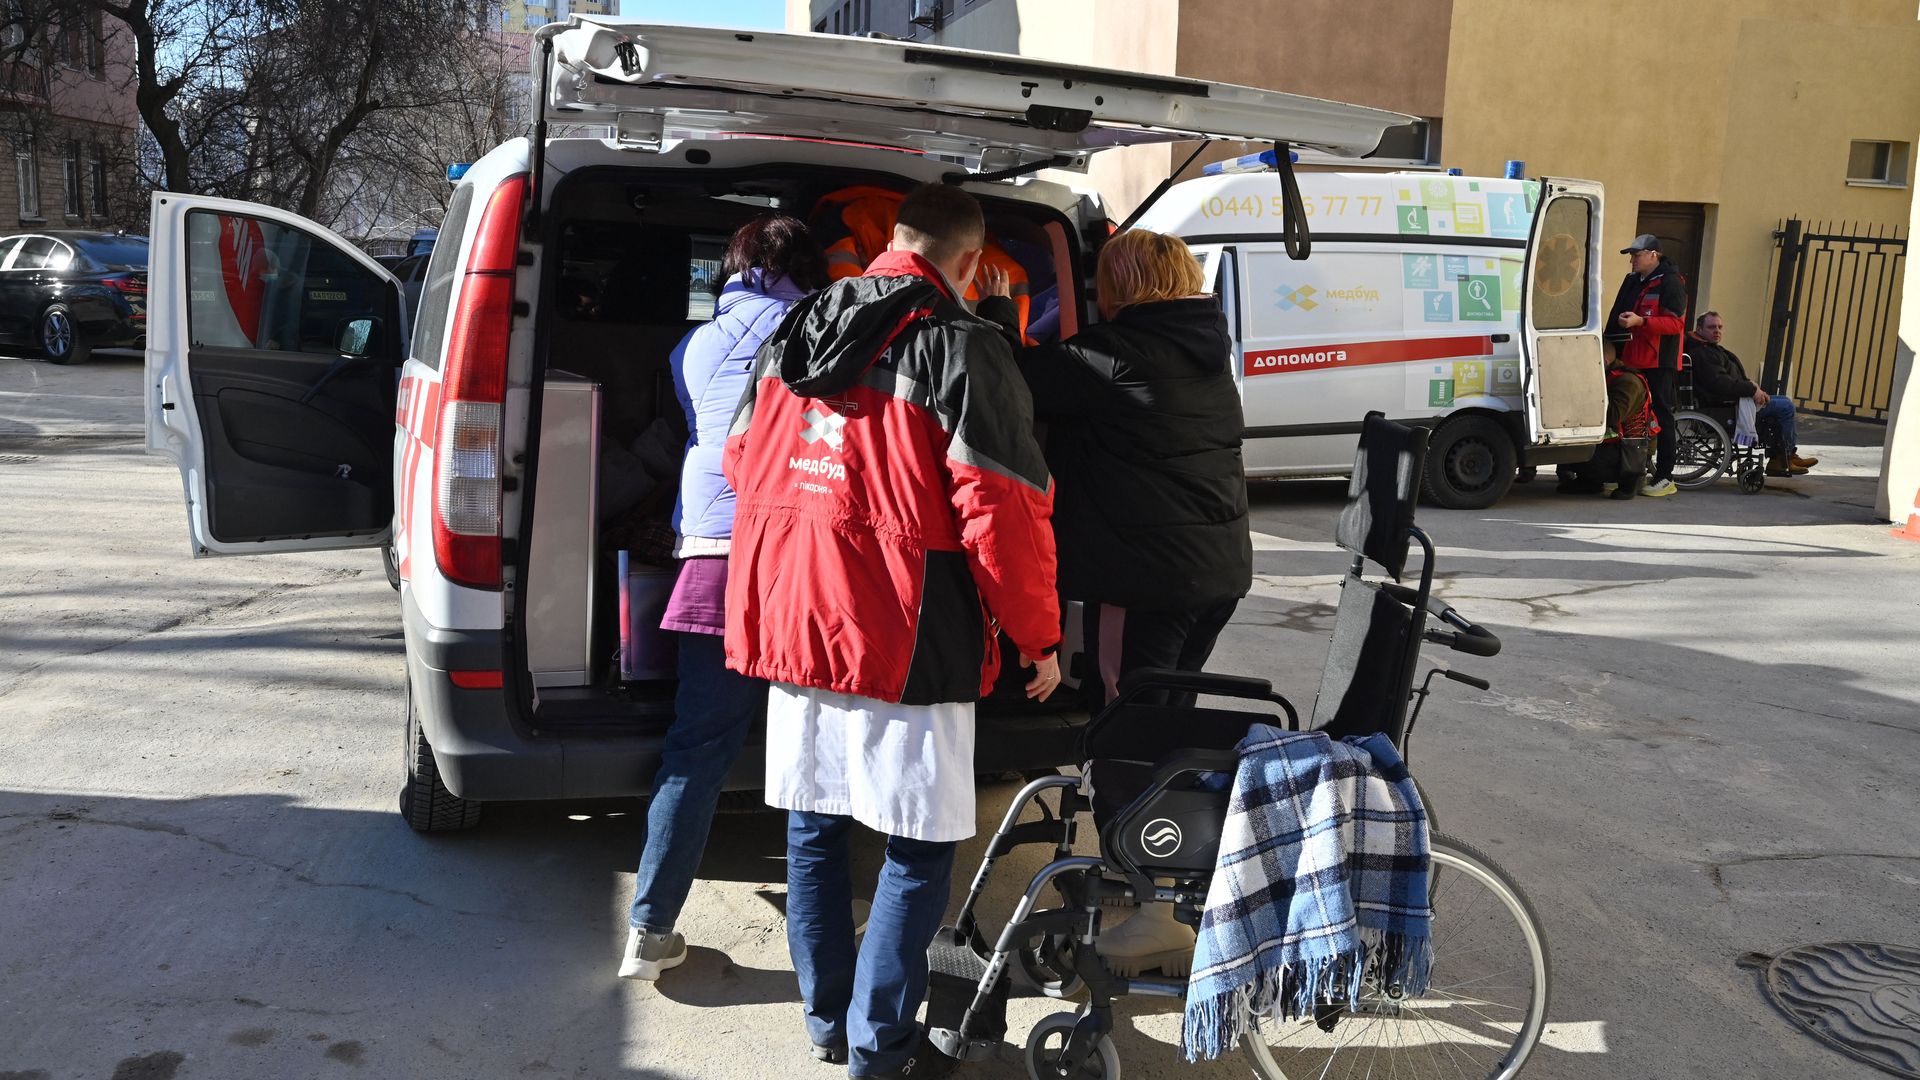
(457, 170)
(1251, 163)
(1516, 170)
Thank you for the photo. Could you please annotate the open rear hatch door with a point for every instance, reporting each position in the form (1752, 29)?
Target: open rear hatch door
(660, 84)
(1562, 308)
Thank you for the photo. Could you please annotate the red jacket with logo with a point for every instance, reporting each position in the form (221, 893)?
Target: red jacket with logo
(1661, 299)
(893, 505)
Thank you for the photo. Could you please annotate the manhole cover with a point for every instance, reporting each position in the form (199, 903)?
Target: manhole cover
(1861, 998)
(18, 459)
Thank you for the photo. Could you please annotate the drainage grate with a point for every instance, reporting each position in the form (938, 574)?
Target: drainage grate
(1859, 997)
(18, 459)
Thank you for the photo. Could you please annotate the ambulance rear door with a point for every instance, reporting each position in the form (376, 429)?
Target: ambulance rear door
(1562, 311)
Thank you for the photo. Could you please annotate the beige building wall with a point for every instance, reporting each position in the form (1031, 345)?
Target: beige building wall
(1746, 106)
(1385, 53)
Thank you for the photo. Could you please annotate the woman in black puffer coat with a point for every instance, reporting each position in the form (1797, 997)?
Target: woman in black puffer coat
(1143, 439)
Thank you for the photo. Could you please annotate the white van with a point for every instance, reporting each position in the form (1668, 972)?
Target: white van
(303, 420)
(1410, 303)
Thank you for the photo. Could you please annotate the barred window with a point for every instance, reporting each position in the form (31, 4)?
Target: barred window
(97, 187)
(26, 170)
(70, 173)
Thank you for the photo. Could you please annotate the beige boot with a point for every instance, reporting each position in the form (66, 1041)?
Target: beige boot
(1151, 939)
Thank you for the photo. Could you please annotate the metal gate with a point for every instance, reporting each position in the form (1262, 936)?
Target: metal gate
(1835, 316)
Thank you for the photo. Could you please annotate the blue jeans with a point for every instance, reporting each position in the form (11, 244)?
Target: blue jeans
(713, 709)
(869, 1005)
(1780, 411)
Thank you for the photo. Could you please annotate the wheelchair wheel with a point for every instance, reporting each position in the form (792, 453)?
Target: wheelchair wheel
(1481, 1017)
(1702, 450)
(1752, 479)
(1048, 1041)
(1045, 966)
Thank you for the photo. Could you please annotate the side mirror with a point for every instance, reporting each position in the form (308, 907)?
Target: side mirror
(358, 337)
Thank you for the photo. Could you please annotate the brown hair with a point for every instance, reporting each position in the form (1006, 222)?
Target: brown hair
(940, 222)
(780, 245)
(1140, 267)
(1701, 322)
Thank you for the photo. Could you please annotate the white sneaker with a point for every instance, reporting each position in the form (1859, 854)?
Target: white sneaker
(1151, 939)
(648, 954)
(1661, 489)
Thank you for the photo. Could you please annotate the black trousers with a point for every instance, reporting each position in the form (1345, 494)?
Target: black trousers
(1120, 640)
(1661, 385)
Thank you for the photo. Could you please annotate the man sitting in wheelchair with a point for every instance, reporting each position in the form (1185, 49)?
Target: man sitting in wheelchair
(1720, 379)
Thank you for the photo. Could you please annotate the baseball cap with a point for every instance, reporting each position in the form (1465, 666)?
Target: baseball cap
(1643, 242)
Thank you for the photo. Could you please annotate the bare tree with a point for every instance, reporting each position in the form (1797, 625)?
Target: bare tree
(270, 99)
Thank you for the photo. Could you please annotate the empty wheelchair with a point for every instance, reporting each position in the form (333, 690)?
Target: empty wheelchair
(1150, 790)
(1705, 448)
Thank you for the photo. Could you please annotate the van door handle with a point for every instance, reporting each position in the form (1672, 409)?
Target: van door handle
(1502, 339)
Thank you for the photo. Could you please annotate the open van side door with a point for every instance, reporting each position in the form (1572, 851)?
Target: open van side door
(273, 348)
(1562, 308)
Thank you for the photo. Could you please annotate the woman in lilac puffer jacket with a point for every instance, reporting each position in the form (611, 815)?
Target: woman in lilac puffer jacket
(770, 263)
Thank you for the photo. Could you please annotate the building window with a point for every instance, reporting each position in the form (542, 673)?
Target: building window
(1883, 163)
(97, 187)
(96, 47)
(70, 173)
(820, 27)
(27, 172)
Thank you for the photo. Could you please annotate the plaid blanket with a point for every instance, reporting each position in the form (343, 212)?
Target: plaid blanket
(1323, 871)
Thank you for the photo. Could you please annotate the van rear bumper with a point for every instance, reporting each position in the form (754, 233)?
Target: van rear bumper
(483, 754)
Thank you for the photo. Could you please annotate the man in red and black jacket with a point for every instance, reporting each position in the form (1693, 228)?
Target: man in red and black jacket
(893, 516)
(1652, 307)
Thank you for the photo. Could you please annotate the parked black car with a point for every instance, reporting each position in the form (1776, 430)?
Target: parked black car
(67, 293)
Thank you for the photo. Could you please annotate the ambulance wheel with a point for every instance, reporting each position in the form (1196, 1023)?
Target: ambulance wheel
(392, 567)
(424, 800)
(1470, 463)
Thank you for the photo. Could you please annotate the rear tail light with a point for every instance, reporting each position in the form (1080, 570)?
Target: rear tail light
(132, 286)
(467, 455)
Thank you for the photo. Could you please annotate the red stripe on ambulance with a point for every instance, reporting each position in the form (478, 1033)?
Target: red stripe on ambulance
(1364, 353)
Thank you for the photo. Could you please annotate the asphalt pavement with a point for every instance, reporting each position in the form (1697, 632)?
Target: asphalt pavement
(1699, 744)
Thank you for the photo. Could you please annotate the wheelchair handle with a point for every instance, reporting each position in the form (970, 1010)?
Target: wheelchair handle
(1470, 680)
(1468, 637)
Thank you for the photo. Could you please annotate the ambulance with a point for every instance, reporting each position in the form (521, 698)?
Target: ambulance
(1445, 301)
(514, 454)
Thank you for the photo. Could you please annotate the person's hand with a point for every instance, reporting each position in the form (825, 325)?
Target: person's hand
(1046, 676)
(1762, 398)
(993, 281)
(1630, 320)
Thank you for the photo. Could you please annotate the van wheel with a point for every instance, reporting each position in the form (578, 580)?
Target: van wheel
(59, 337)
(392, 568)
(424, 800)
(1470, 463)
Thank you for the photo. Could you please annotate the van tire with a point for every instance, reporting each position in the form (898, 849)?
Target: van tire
(1470, 463)
(424, 800)
(392, 567)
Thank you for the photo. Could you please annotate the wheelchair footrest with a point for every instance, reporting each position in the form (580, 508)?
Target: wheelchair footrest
(954, 974)
(952, 955)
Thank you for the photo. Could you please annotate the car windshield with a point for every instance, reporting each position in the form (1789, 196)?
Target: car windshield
(115, 252)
